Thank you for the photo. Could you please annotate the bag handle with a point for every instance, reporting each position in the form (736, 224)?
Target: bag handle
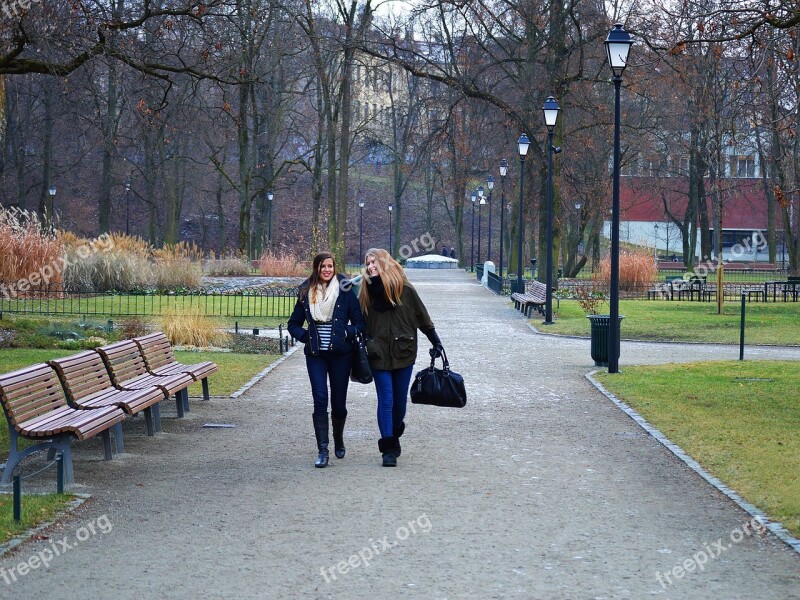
(445, 363)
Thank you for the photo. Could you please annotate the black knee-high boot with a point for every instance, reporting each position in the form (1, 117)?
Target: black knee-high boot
(321, 432)
(338, 436)
(398, 431)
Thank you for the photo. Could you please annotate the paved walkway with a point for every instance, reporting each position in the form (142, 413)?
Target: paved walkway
(539, 488)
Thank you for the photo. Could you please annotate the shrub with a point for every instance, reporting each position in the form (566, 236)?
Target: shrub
(242, 343)
(230, 267)
(133, 327)
(285, 265)
(636, 268)
(589, 299)
(116, 270)
(26, 246)
(190, 327)
(174, 273)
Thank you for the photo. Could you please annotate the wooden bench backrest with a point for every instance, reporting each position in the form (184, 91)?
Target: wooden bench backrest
(124, 360)
(30, 392)
(82, 374)
(156, 349)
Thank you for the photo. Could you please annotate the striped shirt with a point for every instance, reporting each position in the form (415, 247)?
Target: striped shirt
(324, 330)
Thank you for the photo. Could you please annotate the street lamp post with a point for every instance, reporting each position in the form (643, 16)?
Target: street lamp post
(503, 171)
(481, 202)
(655, 242)
(618, 43)
(390, 229)
(360, 229)
(490, 185)
(270, 197)
(127, 207)
(550, 111)
(578, 225)
(523, 143)
(472, 197)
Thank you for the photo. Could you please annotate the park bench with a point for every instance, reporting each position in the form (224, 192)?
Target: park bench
(36, 408)
(88, 386)
(791, 287)
(128, 371)
(666, 290)
(160, 360)
(691, 287)
(535, 298)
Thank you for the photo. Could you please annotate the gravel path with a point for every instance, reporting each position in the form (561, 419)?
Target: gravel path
(539, 488)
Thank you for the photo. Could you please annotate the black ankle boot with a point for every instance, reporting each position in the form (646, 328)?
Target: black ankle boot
(398, 431)
(321, 433)
(388, 448)
(338, 436)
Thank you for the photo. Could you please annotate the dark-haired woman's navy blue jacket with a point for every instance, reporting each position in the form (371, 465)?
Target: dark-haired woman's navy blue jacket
(347, 320)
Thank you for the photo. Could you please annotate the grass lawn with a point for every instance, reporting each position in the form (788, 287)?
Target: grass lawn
(663, 320)
(35, 509)
(740, 420)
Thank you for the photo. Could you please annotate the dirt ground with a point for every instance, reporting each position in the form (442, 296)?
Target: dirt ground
(539, 488)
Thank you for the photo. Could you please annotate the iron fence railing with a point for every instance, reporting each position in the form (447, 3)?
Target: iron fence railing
(216, 302)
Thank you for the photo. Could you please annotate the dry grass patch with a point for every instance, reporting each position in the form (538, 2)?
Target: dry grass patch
(287, 265)
(190, 327)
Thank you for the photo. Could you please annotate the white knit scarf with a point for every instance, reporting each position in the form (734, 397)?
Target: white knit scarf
(322, 312)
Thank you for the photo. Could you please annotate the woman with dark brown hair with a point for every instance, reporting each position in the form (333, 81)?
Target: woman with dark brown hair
(326, 302)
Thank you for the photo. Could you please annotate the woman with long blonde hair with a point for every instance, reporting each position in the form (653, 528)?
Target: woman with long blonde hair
(393, 312)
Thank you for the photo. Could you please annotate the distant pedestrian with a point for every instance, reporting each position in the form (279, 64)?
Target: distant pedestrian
(452, 252)
(444, 250)
(334, 317)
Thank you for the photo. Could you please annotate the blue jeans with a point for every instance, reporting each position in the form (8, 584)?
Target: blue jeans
(392, 388)
(336, 368)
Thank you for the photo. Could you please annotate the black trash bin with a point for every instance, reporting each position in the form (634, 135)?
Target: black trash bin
(600, 332)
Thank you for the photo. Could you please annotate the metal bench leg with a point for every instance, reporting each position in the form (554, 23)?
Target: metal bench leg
(157, 416)
(185, 396)
(148, 420)
(107, 444)
(206, 395)
(179, 403)
(119, 444)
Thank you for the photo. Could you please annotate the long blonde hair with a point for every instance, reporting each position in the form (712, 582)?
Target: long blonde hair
(392, 276)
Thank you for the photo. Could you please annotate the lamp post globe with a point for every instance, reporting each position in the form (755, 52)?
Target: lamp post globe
(618, 44)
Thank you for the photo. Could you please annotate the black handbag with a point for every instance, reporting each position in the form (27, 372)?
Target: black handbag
(361, 371)
(439, 387)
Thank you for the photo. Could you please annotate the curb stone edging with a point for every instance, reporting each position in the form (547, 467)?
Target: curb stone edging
(776, 528)
(71, 507)
(263, 373)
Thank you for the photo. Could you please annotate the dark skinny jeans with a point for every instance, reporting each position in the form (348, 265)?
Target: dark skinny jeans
(336, 368)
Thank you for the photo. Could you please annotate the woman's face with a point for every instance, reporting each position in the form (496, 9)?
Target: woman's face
(326, 270)
(372, 266)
